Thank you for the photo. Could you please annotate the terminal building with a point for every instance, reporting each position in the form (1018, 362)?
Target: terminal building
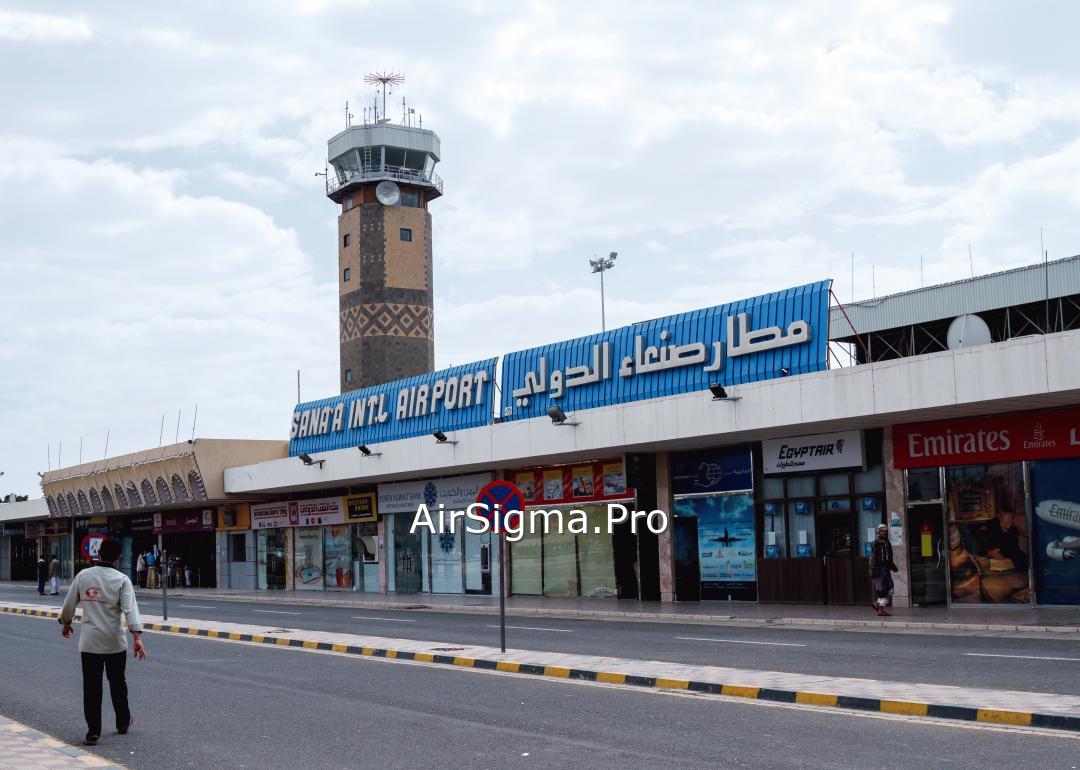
(778, 432)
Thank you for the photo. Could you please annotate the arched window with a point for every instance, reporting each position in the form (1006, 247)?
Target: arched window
(54, 510)
(84, 504)
(106, 499)
(95, 501)
(73, 504)
(148, 492)
(133, 495)
(163, 492)
(61, 503)
(179, 490)
(198, 489)
(121, 498)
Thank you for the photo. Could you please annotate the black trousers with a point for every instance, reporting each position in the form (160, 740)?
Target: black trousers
(114, 666)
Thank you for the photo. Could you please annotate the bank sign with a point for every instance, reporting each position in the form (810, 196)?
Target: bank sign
(785, 333)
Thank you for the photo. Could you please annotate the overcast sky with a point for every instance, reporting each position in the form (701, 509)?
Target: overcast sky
(165, 241)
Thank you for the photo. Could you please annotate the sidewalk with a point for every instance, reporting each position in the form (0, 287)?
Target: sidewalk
(23, 748)
(994, 619)
(1009, 707)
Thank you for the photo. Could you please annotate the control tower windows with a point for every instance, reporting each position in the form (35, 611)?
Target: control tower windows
(410, 199)
(406, 234)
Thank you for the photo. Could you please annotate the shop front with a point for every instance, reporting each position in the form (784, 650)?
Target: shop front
(591, 562)
(323, 544)
(187, 537)
(18, 552)
(451, 561)
(992, 510)
(56, 541)
(236, 547)
(714, 536)
(821, 499)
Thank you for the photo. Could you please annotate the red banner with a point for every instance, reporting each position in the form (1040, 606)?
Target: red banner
(995, 438)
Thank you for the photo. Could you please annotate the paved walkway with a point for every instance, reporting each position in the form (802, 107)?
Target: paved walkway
(996, 706)
(23, 748)
(1002, 618)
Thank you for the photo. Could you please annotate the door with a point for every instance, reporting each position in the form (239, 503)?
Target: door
(835, 536)
(687, 565)
(407, 561)
(276, 561)
(926, 554)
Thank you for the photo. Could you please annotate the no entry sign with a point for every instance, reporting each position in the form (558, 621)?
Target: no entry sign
(500, 497)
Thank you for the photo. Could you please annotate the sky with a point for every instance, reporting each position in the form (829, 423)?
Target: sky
(165, 242)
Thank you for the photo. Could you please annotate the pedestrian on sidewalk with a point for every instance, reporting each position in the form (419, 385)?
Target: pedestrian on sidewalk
(54, 576)
(42, 574)
(106, 595)
(140, 570)
(881, 567)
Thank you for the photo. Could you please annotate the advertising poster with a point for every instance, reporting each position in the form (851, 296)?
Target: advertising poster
(614, 479)
(527, 484)
(988, 525)
(583, 481)
(1056, 539)
(727, 545)
(553, 486)
(308, 559)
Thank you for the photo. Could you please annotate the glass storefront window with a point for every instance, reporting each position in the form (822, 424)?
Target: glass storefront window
(869, 512)
(365, 556)
(596, 556)
(271, 567)
(446, 560)
(337, 558)
(773, 488)
(803, 531)
(989, 554)
(801, 486)
(560, 564)
(774, 533)
(525, 566)
(870, 480)
(833, 484)
(923, 485)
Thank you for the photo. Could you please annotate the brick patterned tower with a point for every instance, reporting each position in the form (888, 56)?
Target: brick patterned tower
(382, 175)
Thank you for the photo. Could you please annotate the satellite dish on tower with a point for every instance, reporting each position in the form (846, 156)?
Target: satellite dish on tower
(387, 193)
(967, 331)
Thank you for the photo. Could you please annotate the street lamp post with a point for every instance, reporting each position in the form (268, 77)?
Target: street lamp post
(602, 265)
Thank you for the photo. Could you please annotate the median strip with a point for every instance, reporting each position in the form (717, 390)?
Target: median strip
(559, 670)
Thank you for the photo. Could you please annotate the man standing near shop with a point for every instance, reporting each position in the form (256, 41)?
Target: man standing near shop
(106, 595)
(54, 576)
(881, 567)
(42, 574)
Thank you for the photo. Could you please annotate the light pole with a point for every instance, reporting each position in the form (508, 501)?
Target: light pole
(602, 265)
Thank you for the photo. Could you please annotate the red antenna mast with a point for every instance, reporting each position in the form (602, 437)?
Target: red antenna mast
(383, 81)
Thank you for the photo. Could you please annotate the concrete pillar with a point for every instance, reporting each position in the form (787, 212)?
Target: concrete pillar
(290, 583)
(665, 541)
(896, 510)
(383, 554)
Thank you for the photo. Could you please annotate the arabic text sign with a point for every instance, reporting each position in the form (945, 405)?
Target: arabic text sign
(754, 339)
(184, 521)
(818, 452)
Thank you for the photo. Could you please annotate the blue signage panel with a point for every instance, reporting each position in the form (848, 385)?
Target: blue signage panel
(774, 335)
(713, 471)
(447, 400)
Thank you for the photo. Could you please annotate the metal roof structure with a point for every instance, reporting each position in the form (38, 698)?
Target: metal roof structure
(1008, 288)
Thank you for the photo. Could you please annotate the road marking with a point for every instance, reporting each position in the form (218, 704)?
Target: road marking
(389, 620)
(736, 641)
(1025, 657)
(198, 606)
(277, 612)
(537, 628)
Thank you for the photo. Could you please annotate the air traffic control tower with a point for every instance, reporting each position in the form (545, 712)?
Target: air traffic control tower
(382, 175)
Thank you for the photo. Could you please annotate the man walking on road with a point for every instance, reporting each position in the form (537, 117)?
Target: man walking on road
(42, 574)
(106, 595)
(881, 565)
(54, 576)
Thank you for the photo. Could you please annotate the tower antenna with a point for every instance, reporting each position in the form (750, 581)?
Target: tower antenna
(383, 82)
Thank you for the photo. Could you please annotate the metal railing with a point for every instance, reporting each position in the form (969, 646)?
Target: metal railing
(336, 181)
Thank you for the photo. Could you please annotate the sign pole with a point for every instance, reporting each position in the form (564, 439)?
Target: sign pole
(502, 595)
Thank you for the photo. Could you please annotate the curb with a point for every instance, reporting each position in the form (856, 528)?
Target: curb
(908, 708)
(648, 617)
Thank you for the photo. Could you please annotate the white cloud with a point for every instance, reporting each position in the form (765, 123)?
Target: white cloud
(43, 28)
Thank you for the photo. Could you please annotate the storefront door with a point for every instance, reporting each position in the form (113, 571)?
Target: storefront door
(835, 537)
(926, 554)
(407, 561)
(687, 565)
(273, 564)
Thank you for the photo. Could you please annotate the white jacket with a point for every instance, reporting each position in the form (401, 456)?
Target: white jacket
(105, 594)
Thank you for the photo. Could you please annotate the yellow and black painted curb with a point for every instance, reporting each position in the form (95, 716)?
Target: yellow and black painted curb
(907, 708)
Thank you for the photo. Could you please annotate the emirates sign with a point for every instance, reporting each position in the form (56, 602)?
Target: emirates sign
(995, 438)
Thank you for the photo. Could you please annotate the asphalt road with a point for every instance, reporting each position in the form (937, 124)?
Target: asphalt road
(208, 703)
(1045, 664)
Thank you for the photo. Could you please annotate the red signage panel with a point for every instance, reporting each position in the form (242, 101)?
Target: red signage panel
(1040, 435)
